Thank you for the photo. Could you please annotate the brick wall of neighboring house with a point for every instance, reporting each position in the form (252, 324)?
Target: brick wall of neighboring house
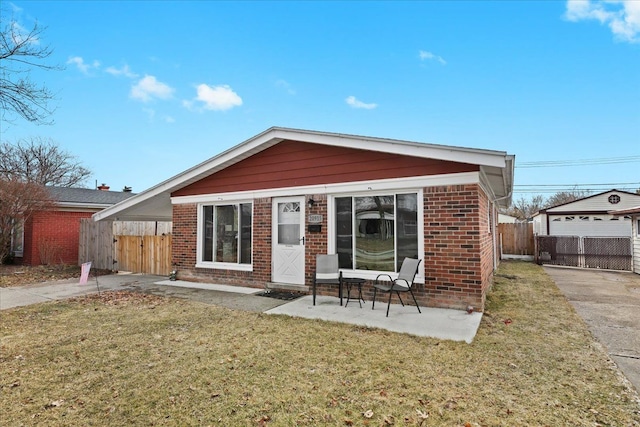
(52, 238)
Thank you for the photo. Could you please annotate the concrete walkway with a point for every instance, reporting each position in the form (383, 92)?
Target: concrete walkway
(61, 289)
(445, 324)
(609, 303)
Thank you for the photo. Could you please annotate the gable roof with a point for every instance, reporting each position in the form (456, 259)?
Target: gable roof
(69, 197)
(592, 204)
(155, 203)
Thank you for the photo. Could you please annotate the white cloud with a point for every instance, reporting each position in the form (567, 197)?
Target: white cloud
(14, 8)
(149, 88)
(169, 119)
(124, 71)
(84, 67)
(354, 103)
(20, 35)
(286, 86)
(622, 16)
(424, 55)
(218, 98)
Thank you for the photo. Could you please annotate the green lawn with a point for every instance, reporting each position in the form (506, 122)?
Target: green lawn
(142, 360)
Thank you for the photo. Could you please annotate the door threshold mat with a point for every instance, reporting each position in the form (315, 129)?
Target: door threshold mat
(282, 295)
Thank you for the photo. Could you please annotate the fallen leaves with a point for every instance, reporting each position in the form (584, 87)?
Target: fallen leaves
(20, 275)
(122, 298)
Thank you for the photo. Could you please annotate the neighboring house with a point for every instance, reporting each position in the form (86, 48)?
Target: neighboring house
(507, 219)
(634, 213)
(259, 213)
(52, 237)
(588, 216)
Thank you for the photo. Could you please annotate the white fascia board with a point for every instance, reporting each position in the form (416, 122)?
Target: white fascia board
(349, 187)
(404, 148)
(79, 205)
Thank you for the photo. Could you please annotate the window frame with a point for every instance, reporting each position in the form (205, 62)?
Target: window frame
(200, 263)
(17, 230)
(331, 227)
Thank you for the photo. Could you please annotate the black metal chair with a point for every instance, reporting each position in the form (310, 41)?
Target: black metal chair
(327, 273)
(404, 282)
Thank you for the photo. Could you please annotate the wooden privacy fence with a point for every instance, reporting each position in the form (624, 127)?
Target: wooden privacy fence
(136, 246)
(609, 253)
(144, 254)
(516, 238)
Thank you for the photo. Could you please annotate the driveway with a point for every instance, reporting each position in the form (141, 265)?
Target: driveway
(609, 303)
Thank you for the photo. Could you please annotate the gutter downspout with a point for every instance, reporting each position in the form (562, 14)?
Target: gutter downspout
(495, 244)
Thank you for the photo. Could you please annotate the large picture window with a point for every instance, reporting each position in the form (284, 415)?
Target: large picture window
(376, 232)
(226, 233)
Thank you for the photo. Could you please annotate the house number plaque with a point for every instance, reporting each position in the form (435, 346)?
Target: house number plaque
(315, 219)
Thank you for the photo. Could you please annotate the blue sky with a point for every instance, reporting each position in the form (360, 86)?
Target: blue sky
(150, 89)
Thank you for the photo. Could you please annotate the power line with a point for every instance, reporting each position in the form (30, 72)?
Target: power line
(612, 185)
(579, 162)
(631, 187)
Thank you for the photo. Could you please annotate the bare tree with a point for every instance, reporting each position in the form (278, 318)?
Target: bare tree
(41, 161)
(525, 208)
(18, 201)
(21, 51)
(563, 197)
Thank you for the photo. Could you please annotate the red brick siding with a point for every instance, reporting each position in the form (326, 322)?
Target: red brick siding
(52, 237)
(311, 164)
(185, 233)
(455, 247)
(184, 247)
(488, 243)
(458, 262)
(316, 243)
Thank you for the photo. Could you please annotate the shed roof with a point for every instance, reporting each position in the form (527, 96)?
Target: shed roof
(629, 211)
(155, 203)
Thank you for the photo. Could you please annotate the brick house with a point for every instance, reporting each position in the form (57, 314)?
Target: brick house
(258, 213)
(52, 237)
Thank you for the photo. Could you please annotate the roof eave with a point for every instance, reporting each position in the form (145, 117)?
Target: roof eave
(629, 211)
(274, 135)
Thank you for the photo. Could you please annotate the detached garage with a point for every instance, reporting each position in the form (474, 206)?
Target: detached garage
(585, 233)
(588, 216)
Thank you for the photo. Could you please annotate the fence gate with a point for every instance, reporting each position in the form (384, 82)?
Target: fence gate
(144, 254)
(516, 238)
(136, 246)
(608, 253)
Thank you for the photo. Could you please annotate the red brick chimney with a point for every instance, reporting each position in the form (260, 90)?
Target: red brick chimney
(103, 187)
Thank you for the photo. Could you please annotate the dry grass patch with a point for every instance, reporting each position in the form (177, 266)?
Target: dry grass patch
(154, 361)
(18, 275)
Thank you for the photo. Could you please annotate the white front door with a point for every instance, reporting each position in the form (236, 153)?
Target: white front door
(288, 240)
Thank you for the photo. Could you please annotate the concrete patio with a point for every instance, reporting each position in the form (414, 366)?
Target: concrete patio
(438, 323)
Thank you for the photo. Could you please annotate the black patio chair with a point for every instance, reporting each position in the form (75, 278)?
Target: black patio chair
(404, 282)
(327, 273)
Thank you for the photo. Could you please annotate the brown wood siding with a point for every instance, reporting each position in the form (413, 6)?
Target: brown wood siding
(293, 163)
